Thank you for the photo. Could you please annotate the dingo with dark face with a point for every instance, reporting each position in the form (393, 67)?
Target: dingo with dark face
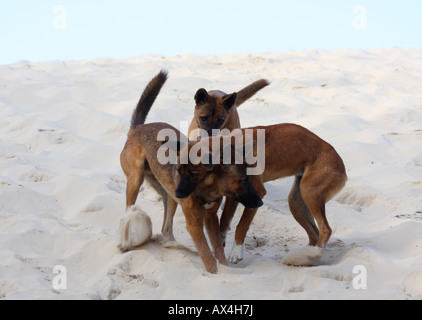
(139, 160)
(290, 150)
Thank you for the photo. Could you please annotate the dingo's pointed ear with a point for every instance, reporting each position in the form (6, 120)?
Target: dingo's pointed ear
(230, 101)
(201, 97)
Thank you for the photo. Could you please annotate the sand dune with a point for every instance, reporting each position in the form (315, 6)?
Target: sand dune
(62, 191)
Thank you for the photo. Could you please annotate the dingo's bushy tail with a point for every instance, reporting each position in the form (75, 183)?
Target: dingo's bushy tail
(147, 99)
(248, 92)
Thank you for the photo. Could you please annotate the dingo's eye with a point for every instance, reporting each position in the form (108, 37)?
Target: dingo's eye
(204, 120)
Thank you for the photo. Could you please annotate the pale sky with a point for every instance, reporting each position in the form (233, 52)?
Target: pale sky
(43, 30)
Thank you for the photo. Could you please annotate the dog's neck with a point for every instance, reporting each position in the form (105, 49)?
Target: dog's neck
(206, 197)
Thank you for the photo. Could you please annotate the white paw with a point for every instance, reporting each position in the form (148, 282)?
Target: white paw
(237, 253)
(303, 257)
(135, 229)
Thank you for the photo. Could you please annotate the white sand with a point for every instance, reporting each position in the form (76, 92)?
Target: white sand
(62, 191)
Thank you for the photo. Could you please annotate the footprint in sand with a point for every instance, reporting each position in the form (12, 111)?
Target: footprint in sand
(35, 175)
(55, 136)
(120, 279)
(357, 195)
